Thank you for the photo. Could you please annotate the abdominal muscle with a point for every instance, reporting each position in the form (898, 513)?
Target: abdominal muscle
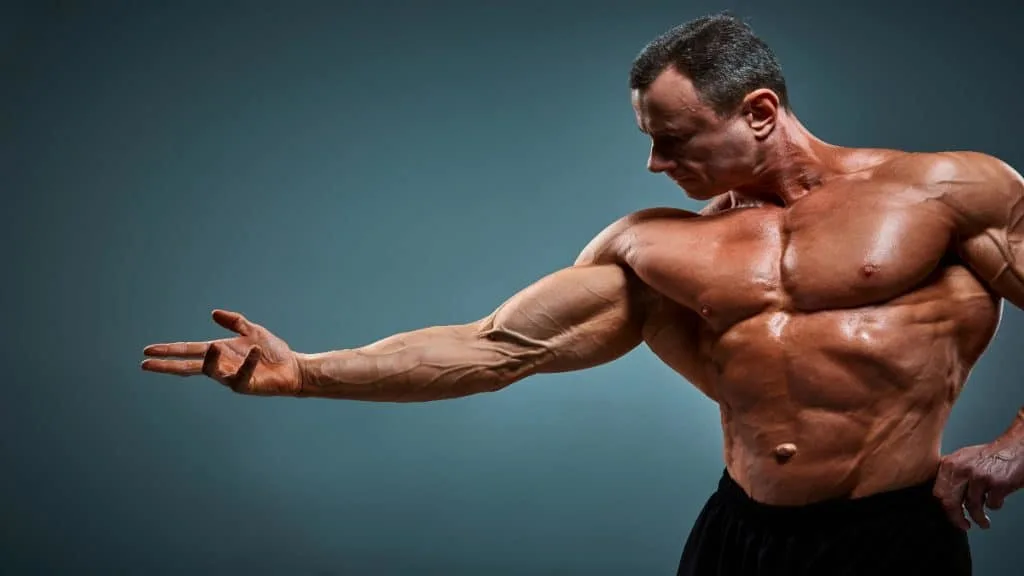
(846, 403)
(819, 455)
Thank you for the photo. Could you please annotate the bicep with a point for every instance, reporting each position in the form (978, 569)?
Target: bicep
(996, 257)
(988, 199)
(588, 314)
(578, 317)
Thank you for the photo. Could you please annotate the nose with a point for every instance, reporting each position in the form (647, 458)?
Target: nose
(658, 163)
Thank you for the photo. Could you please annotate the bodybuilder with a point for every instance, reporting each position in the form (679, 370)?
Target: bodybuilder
(832, 302)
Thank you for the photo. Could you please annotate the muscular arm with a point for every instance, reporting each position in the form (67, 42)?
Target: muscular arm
(576, 318)
(986, 197)
(986, 200)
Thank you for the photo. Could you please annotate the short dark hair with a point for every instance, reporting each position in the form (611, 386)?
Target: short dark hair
(720, 54)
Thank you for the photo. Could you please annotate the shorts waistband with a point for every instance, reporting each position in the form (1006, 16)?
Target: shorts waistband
(883, 504)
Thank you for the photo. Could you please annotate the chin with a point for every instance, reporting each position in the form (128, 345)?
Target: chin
(702, 196)
(698, 192)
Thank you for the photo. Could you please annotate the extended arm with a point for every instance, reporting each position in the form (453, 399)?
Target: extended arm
(590, 313)
(576, 318)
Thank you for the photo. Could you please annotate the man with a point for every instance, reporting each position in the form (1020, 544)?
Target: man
(831, 301)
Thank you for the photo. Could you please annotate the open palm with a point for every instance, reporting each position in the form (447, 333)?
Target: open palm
(253, 362)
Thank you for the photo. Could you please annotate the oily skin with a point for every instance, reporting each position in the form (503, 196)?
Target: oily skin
(831, 301)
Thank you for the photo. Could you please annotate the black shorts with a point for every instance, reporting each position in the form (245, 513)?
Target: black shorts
(902, 532)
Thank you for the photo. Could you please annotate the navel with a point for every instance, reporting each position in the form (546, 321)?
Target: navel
(783, 452)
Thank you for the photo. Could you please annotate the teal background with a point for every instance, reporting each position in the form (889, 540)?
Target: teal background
(340, 171)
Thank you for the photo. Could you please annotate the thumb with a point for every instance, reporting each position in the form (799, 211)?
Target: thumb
(232, 321)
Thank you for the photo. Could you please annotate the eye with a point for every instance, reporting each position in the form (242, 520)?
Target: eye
(669, 141)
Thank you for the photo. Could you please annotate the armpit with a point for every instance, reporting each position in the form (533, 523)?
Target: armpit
(672, 333)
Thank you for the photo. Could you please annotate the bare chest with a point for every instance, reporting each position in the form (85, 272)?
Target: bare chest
(822, 253)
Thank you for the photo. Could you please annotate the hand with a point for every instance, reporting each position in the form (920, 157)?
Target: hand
(254, 362)
(976, 477)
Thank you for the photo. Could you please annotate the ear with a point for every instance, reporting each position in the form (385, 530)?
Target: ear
(761, 110)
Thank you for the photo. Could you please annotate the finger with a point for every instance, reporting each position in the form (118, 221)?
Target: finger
(943, 487)
(975, 502)
(209, 364)
(996, 496)
(232, 321)
(242, 378)
(175, 367)
(182, 349)
(951, 495)
(956, 515)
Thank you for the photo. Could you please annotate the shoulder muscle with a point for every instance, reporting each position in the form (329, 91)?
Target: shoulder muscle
(609, 244)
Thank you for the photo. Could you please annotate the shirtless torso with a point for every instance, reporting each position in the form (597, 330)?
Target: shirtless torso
(834, 334)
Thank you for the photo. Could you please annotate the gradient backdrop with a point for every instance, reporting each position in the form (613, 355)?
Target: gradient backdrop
(340, 171)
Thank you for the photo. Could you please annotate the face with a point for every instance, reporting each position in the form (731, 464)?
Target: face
(703, 153)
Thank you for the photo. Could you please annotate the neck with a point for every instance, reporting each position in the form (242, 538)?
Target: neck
(795, 164)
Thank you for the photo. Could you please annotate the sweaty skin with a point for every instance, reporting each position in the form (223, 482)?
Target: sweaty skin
(834, 334)
(831, 301)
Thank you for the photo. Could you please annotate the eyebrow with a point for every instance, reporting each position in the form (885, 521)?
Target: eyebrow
(674, 132)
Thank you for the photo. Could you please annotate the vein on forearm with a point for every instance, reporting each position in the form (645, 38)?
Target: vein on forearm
(428, 364)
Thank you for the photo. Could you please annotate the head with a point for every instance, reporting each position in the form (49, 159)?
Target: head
(709, 94)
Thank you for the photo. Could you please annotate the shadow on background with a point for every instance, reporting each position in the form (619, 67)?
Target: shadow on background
(343, 171)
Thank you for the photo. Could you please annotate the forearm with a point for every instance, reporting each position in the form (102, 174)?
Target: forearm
(423, 365)
(570, 320)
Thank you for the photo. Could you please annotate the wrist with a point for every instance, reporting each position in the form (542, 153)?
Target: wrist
(307, 382)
